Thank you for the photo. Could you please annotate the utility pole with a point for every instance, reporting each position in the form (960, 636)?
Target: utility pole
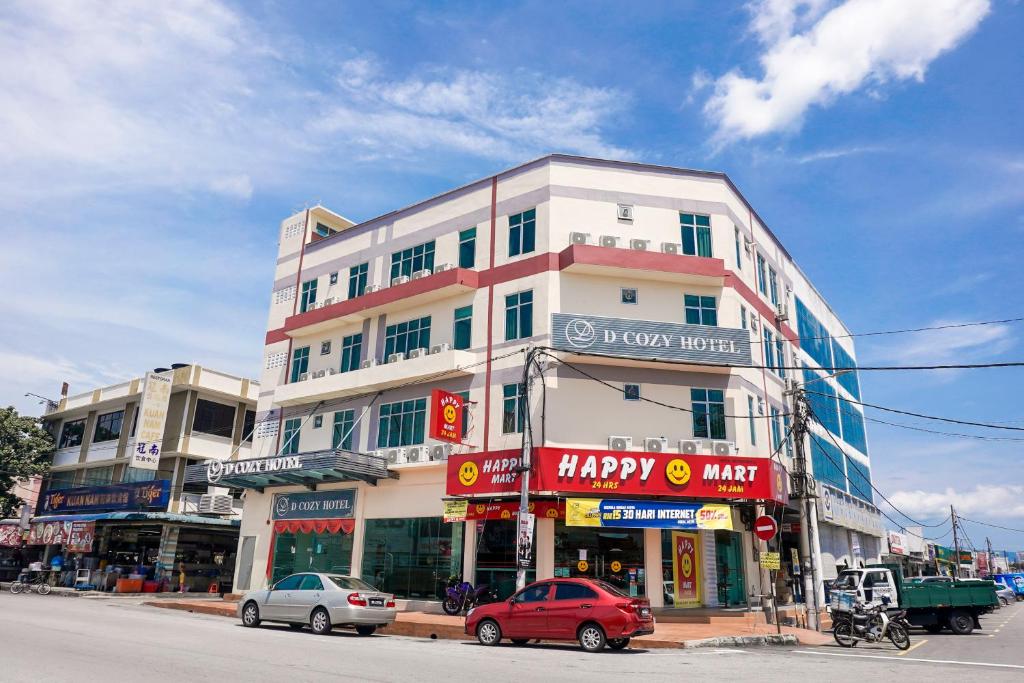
(956, 544)
(804, 493)
(524, 467)
(988, 565)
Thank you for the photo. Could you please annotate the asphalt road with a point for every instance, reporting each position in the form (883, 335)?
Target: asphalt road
(50, 638)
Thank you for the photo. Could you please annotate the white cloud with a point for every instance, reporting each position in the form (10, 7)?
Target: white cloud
(983, 501)
(856, 44)
(938, 347)
(836, 153)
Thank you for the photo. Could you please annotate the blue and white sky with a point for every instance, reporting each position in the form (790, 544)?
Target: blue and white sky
(148, 152)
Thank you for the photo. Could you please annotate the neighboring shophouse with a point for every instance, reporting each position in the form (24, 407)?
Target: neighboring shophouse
(117, 479)
(641, 264)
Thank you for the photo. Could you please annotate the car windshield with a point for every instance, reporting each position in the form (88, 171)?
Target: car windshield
(608, 588)
(847, 580)
(350, 583)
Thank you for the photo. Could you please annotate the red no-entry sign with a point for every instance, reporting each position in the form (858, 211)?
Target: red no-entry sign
(765, 528)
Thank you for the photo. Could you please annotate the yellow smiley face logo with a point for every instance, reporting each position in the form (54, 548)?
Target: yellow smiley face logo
(677, 472)
(686, 565)
(449, 414)
(616, 566)
(468, 473)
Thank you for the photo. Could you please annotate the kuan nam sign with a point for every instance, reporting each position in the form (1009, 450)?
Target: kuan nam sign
(149, 437)
(648, 339)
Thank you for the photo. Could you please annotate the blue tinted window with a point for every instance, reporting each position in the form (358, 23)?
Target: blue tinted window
(860, 480)
(853, 426)
(825, 407)
(827, 462)
(847, 380)
(814, 339)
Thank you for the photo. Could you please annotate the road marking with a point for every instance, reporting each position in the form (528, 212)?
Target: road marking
(911, 659)
(913, 647)
(996, 631)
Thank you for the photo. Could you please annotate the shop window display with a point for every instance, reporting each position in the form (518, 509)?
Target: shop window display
(412, 558)
(612, 555)
(311, 552)
(496, 556)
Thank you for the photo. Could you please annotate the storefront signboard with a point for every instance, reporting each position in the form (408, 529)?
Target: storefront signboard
(136, 496)
(455, 510)
(446, 416)
(648, 339)
(646, 514)
(10, 535)
(686, 564)
(49, 533)
(339, 504)
(897, 543)
(81, 537)
(580, 470)
(149, 432)
(525, 539)
(219, 469)
(841, 509)
(508, 510)
(944, 554)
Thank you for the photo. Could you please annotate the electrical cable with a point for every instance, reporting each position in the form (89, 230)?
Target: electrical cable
(994, 526)
(988, 425)
(979, 437)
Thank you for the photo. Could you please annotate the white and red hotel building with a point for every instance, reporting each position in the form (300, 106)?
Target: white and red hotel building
(475, 276)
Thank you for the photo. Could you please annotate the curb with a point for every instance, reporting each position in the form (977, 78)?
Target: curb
(743, 641)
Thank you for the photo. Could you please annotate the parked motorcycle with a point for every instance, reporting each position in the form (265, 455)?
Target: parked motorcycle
(872, 623)
(461, 596)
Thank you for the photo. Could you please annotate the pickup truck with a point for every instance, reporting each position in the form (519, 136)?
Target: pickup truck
(933, 606)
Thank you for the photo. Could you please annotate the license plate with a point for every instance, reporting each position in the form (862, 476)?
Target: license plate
(376, 602)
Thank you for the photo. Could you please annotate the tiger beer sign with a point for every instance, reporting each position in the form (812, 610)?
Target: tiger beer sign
(446, 416)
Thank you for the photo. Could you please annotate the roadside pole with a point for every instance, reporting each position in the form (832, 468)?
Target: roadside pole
(804, 495)
(524, 467)
(956, 544)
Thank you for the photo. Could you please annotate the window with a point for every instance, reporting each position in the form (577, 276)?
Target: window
(344, 422)
(780, 356)
(743, 317)
(465, 412)
(325, 348)
(98, 476)
(769, 349)
(404, 337)
(708, 407)
(323, 230)
(773, 286)
(71, 434)
(522, 233)
(513, 409)
(700, 310)
(318, 421)
(462, 332)
(573, 591)
(739, 259)
(776, 430)
(311, 582)
(290, 440)
(300, 362)
(467, 248)
(534, 593)
(696, 231)
(213, 418)
(248, 425)
(357, 280)
(760, 274)
(631, 392)
(409, 557)
(108, 427)
(308, 296)
(62, 480)
(351, 352)
(629, 295)
(409, 261)
(401, 423)
(519, 315)
(290, 583)
(750, 420)
(333, 278)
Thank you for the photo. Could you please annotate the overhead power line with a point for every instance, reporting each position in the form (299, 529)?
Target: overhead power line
(989, 425)
(989, 524)
(979, 437)
(917, 329)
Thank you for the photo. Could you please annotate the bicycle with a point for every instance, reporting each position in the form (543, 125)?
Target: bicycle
(28, 583)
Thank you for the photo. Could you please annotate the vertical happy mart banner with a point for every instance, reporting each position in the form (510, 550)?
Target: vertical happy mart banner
(685, 569)
(446, 416)
(149, 433)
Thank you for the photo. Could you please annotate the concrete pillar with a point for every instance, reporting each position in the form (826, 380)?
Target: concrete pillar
(359, 533)
(815, 543)
(544, 547)
(652, 567)
(469, 553)
(168, 549)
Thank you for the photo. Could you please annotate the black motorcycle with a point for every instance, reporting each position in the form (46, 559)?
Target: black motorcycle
(872, 624)
(461, 595)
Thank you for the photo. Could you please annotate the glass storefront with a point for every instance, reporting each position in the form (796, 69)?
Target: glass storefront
(316, 552)
(496, 556)
(731, 587)
(412, 558)
(613, 555)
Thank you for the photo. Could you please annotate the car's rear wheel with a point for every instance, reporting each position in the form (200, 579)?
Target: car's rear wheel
(961, 622)
(320, 622)
(365, 630)
(488, 632)
(250, 615)
(592, 638)
(520, 641)
(618, 643)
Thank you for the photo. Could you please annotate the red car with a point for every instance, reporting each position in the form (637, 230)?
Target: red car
(593, 612)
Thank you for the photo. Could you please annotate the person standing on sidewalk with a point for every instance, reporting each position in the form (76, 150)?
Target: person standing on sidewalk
(181, 577)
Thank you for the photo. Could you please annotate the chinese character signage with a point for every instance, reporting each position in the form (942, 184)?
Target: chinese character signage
(149, 431)
(647, 339)
(646, 514)
(137, 496)
(685, 569)
(316, 505)
(446, 416)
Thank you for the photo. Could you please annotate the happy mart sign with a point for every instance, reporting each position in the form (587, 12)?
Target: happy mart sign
(647, 339)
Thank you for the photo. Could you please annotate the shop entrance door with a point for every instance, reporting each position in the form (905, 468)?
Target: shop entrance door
(612, 555)
(729, 563)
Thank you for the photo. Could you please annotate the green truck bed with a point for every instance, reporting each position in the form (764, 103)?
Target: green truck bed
(958, 594)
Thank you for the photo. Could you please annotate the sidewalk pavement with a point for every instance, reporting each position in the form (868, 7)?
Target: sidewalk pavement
(667, 635)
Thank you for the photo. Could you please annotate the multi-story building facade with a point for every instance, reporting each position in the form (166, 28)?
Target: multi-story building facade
(138, 510)
(668, 319)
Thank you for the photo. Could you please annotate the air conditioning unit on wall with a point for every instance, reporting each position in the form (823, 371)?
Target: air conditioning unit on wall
(655, 444)
(669, 248)
(691, 447)
(638, 244)
(400, 280)
(416, 453)
(417, 353)
(609, 241)
(368, 363)
(723, 448)
(420, 274)
(440, 348)
(620, 443)
(440, 451)
(395, 456)
(579, 237)
(396, 357)
(370, 289)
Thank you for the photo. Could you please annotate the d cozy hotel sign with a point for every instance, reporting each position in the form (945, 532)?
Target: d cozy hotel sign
(645, 339)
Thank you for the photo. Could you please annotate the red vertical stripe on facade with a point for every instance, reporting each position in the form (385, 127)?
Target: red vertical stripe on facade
(490, 313)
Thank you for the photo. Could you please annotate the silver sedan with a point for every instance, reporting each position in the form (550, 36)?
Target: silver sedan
(320, 601)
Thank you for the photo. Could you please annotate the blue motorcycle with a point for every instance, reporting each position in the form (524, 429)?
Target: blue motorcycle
(461, 596)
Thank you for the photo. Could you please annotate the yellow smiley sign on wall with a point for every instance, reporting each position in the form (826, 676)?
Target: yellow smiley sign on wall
(468, 473)
(616, 566)
(583, 565)
(677, 472)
